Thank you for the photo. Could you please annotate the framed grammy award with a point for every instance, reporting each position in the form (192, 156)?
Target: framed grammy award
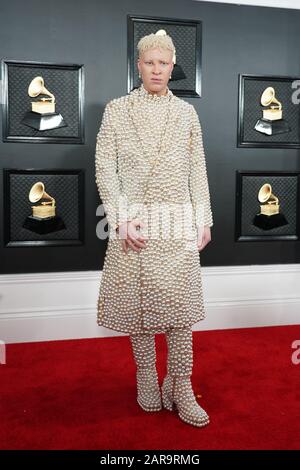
(186, 77)
(267, 206)
(43, 207)
(268, 111)
(43, 102)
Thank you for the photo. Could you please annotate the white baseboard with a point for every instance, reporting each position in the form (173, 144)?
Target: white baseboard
(56, 306)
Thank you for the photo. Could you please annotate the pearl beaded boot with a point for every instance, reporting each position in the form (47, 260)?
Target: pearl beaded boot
(177, 392)
(148, 390)
(177, 388)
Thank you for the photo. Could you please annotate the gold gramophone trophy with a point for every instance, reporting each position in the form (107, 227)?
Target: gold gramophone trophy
(43, 219)
(42, 115)
(269, 216)
(271, 123)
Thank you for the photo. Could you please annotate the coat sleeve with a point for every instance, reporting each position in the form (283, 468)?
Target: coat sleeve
(198, 183)
(107, 179)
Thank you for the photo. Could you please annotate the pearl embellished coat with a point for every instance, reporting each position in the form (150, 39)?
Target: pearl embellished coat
(159, 287)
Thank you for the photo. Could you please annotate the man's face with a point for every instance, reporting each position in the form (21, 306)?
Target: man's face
(156, 66)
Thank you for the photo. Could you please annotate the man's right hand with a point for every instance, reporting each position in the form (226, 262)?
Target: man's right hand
(130, 235)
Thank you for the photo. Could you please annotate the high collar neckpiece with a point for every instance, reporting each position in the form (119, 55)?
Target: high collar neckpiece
(152, 97)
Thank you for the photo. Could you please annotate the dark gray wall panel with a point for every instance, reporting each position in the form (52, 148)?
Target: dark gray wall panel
(236, 39)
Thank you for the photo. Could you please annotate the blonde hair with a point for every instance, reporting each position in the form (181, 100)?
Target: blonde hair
(160, 39)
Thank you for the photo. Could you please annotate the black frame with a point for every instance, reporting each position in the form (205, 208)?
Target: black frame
(7, 209)
(43, 138)
(238, 205)
(241, 142)
(132, 19)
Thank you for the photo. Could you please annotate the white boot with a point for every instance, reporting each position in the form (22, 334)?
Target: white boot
(177, 392)
(177, 388)
(148, 390)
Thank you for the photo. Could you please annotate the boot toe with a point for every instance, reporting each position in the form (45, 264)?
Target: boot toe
(195, 416)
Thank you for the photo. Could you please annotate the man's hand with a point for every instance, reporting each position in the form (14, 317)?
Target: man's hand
(204, 237)
(130, 235)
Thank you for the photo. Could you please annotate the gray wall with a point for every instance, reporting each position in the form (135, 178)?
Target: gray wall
(236, 39)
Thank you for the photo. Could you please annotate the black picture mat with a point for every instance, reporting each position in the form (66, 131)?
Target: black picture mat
(187, 38)
(65, 81)
(66, 186)
(250, 109)
(285, 185)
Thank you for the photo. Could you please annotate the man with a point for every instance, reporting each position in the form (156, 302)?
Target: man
(149, 158)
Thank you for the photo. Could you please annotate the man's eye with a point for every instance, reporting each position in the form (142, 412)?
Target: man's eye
(150, 62)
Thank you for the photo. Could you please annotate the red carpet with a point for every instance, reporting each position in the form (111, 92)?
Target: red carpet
(81, 394)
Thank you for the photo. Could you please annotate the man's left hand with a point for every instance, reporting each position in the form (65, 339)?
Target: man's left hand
(204, 237)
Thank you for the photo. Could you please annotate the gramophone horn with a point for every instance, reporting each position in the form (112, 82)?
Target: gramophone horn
(36, 87)
(38, 192)
(265, 194)
(268, 97)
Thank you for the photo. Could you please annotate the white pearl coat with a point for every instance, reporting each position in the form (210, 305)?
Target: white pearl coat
(160, 287)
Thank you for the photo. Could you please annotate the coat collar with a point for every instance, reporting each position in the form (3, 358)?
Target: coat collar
(152, 97)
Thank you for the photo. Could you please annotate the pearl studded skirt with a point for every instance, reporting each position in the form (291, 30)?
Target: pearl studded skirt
(153, 290)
